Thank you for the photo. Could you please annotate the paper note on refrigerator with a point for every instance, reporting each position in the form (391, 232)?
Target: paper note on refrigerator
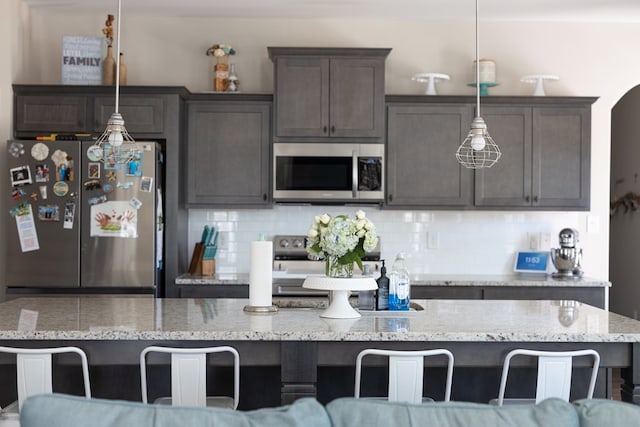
(114, 219)
(27, 231)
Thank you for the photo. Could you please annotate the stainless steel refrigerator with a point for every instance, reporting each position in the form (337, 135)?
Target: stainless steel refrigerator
(76, 222)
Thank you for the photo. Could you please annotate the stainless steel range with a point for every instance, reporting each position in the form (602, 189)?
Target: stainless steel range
(291, 265)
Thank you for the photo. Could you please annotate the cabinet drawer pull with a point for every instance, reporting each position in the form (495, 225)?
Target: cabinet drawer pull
(324, 129)
(391, 197)
(333, 129)
(535, 199)
(264, 197)
(526, 199)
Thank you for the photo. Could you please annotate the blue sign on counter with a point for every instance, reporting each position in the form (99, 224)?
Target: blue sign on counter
(531, 262)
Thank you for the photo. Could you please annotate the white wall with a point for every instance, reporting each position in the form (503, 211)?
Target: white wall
(11, 14)
(591, 60)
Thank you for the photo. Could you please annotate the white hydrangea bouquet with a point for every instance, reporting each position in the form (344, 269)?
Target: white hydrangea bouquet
(341, 241)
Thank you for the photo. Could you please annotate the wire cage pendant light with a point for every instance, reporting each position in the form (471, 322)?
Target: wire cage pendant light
(478, 150)
(115, 145)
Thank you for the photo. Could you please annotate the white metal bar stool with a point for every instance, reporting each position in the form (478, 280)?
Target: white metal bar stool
(406, 371)
(554, 374)
(34, 376)
(189, 379)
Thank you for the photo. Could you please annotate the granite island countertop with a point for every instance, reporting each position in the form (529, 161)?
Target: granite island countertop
(137, 318)
(416, 280)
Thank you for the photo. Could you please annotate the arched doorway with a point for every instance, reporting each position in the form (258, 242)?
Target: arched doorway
(624, 235)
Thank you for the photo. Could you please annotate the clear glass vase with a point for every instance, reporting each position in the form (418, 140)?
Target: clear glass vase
(334, 269)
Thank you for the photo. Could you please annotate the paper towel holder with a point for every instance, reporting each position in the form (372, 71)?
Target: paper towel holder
(260, 309)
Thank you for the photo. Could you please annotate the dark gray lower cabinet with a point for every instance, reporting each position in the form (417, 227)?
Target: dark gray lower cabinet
(422, 170)
(228, 153)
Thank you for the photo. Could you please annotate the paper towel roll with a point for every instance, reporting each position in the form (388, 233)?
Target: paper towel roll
(261, 256)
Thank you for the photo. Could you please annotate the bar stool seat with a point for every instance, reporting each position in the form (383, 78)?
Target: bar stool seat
(34, 376)
(406, 372)
(554, 375)
(189, 379)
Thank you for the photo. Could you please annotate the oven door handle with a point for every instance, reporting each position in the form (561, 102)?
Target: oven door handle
(354, 174)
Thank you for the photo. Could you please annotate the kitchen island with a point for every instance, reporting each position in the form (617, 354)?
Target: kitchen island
(500, 287)
(113, 331)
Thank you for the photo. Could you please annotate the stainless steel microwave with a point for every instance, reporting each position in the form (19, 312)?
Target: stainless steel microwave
(331, 172)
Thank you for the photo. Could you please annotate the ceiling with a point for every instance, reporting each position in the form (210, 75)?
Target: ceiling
(435, 10)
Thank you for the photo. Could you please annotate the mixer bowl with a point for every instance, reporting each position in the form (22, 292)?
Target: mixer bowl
(566, 260)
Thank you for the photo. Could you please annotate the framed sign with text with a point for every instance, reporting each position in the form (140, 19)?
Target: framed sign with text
(82, 60)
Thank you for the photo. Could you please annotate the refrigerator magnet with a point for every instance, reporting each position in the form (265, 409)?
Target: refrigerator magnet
(107, 188)
(92, 184)
(134, 166)
(39, 151)
(60, 188)
(94, 170)
(125, 185)
(69, 213)
(16, 193)
(136, 203)
(49, 213)
(34, 196)
(94, 153)
(42, 173)
(20, 176)
(16, 149)
(96, 200)
(146, 183)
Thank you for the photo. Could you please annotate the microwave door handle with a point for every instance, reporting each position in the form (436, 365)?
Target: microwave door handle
(354, 173)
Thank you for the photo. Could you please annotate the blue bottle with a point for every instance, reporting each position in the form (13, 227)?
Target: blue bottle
(399, 286)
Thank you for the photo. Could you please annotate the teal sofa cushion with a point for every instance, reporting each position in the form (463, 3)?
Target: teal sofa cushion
(57, 410)
(348, 412)
(603, 412)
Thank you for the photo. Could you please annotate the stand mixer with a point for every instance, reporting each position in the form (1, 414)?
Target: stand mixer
(567, 259)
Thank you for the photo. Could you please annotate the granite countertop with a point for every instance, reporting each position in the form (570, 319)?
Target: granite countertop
(416, 280)
(146, 318)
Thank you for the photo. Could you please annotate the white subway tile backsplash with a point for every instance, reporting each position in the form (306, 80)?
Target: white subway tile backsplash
(469, 242)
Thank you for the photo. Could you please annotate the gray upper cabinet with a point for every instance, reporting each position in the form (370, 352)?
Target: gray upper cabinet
(228, 153)
(422, 170)
(322, 93)
(545, 144)
(546, 158)
(58, 113)
(143, 114)
(508, 182)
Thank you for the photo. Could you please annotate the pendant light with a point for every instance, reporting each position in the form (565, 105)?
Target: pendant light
(115, 145)
(478, 150)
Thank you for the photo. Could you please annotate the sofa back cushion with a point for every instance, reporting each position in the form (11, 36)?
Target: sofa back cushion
(348, 412)
(603, 412)
(57, 410)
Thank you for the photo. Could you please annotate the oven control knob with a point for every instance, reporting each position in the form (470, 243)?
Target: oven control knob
(284, 243)
(297, 243)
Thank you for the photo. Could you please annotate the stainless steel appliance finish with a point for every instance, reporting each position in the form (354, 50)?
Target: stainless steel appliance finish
(305, 172)
(568, 258)
(72, 257)
(291, 265)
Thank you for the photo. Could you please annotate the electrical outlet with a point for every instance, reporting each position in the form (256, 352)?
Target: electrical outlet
(433, 240)
(534, 241)
(545, 240)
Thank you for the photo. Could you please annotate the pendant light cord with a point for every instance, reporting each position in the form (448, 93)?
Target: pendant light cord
(118, 58)
(477, 63)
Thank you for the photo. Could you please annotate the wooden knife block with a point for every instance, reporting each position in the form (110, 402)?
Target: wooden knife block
(205, 267)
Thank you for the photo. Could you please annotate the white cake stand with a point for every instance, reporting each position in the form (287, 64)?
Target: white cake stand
(538, 79)
(430, 79)
(340, 288)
